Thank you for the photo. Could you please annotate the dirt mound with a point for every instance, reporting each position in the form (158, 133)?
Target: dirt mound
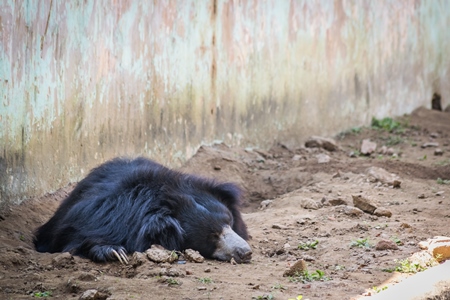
(298, 205)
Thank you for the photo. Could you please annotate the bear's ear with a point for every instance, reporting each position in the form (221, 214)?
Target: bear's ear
(231, 195)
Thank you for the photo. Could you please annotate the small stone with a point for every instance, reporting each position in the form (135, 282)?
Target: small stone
(194, 256)
(138, 259)
(386, 245)
(337, 201)
(90, 295)
(337, 174)
(201, 288)
(364, 204)
(352, 211)
(297, 157)
(323, 158)
(429, 145)
(171, 272)
(321, 142)
(62, 260)
(421, 196)
(390, 151)
(438, 152)
(264, 204)
(217, 168)
(352, 154)
(440, 193)
(307, 257)
(382, 212)
(405, 225)
(207, 270)
(297, 268)
(368, 147)
(307, 203)
(434, 135)
(279, 226)
(383, 176)
(87, 277)
(382, 150)
(233, 261)
(158, 254)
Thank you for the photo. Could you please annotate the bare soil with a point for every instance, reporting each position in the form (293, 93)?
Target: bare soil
(420, 210)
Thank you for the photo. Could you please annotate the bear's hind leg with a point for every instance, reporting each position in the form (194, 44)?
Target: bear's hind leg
(100, 252)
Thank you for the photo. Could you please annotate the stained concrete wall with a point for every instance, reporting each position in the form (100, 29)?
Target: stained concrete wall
(84, 81)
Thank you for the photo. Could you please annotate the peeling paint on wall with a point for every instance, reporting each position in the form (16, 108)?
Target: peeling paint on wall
(84, 81)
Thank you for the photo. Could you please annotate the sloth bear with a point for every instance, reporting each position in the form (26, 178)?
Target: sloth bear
(127, 205)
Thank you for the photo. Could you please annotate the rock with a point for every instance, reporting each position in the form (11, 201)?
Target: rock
(321, 142)
(138, 259)
(352, 211)
(263, 153)
(352, 154)
(383, 176)
(405, 225)
(279, 226)
(323, 158)
(368, 147)
(307, 203)
(438, 152)
(194, 256)
(171, 272)
(386, 245)
(337, 174)
(382, 212)
(87, 277)
(62, 260)
(297, 268)
(201, 288)
(337, 201)
(382, 150)
(390, 151)
(264, 204)
(363, 204)
(438, 247)
(421, 196)
(440, 193)
(93, 295)
(431, 144)
(308, 257)
(158, 254)
(296, 157)
(434, 135)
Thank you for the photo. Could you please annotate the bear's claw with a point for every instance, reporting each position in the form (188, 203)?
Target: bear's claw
(121, 256)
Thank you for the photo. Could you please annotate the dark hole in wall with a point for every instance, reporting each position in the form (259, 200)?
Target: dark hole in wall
(436, 102)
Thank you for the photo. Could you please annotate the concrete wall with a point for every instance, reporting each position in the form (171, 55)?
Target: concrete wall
(84, 81)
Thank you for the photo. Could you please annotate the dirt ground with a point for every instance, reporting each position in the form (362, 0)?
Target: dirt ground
(294, 179)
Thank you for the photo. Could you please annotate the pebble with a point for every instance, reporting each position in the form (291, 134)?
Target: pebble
(194, 256)
(363, 204)
(382, 212)
(158, 254)
(386, 245)
(368, 147)
(323, 158)
(89, 295)
(297, 268)
(438, 152)
(428, 145)
(321, 142)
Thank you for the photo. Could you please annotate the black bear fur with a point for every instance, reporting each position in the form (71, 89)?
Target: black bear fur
(130, 204)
